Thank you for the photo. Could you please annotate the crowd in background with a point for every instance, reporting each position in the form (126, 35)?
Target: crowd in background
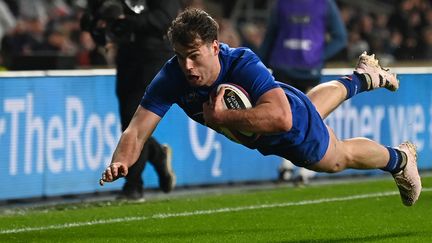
(51, 27)
(405, 33)
(46, 28)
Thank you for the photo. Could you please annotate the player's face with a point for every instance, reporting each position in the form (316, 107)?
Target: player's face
(199, 63)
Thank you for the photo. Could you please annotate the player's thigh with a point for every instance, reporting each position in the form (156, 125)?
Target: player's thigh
(334, 158)
(326, 97)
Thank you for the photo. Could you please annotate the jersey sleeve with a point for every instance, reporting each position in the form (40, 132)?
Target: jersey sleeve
(158, 97)
(253, 76)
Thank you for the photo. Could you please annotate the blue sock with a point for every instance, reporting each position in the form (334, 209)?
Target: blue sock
(396, 162)
(354, 84)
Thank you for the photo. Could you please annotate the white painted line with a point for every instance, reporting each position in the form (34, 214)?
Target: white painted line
(200, 212)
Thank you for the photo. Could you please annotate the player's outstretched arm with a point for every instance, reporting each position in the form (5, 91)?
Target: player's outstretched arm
(130, 145)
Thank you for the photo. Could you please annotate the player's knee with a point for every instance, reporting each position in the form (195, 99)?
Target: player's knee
(335, 167)
(332, 167)
(340, 163)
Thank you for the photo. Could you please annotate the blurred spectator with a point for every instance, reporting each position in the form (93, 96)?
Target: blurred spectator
(252, 36)
(7, 20)
(394, 35)
(301, 36)
(366, 28)
(51, 30)
(407, 21)
(26, 39)
(356, 45)
(58, 43)
(227, 30)
(34, 9)
(193, 4)
(380, 35)
(89, 55)
(427, 43)
(42, 9)
(227, 33)
(13, 7)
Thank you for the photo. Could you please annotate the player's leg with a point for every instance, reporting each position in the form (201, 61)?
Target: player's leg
(355, 153)
(327, 97)
(368, 75)
(160, 156)
(363, 153)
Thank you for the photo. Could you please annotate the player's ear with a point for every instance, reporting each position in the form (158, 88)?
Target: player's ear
(215, 47)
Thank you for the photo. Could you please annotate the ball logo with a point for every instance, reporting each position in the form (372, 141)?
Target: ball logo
(232, 100)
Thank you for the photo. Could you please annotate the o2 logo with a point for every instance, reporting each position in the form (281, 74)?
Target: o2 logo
(202, 151)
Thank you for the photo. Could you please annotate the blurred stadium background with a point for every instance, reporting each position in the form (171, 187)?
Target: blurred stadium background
(58, 111)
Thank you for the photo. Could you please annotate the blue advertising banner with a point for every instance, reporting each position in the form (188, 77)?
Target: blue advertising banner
(57, 134)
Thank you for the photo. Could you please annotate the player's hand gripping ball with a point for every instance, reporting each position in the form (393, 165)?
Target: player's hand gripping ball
(235, 97)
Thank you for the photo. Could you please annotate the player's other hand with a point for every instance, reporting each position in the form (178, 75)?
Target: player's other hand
(212, 108)
(113, 172)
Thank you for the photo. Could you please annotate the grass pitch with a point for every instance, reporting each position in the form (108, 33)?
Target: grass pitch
(361, 211)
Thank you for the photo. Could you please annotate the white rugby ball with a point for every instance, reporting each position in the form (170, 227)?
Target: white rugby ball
(235, 97)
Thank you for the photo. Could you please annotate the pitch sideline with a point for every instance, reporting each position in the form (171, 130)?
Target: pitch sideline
(200, 212)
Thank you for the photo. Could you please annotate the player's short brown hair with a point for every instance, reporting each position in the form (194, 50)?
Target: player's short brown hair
(193, 27)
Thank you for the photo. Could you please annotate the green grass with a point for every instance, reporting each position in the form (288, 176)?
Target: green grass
(343, 212)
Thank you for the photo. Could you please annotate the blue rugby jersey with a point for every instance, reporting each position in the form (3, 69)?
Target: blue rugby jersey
(242, 67)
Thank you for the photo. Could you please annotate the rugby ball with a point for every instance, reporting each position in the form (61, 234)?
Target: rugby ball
(235, 97)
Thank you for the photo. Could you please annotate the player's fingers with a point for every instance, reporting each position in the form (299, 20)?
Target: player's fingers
(218, 104)
(123, 170)
(108, 174)
(220, 93)
(102, 179)
(105, 177)
(114, 171)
